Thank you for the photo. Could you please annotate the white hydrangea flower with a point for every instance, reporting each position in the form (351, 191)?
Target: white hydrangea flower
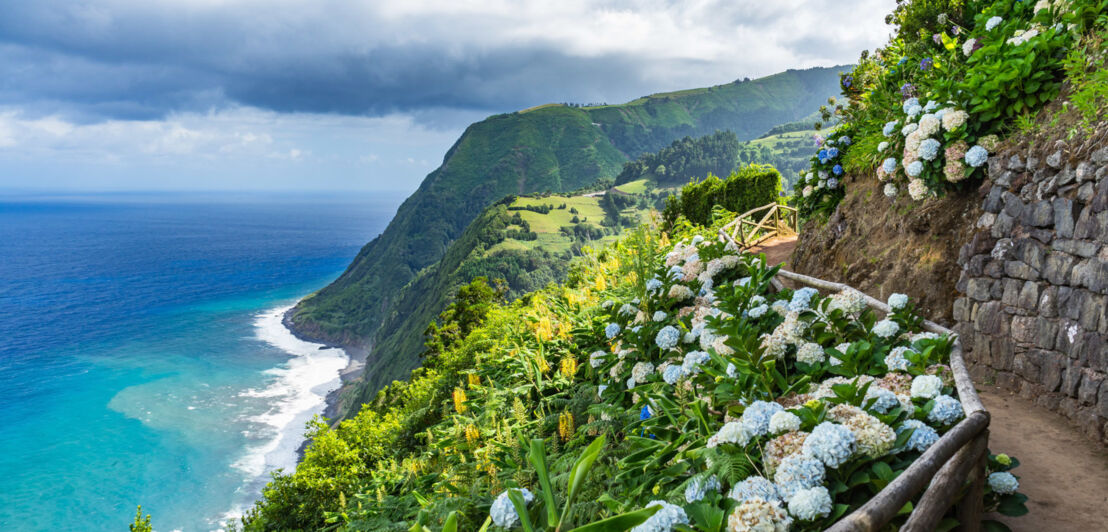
(783, 421)
(886, 328)
(810, 504)
(503, 512)
(758, 515)
(993, 23)
(928, 125)
(830, 443)
(898, 301)
(596, 359)
(926, 386)
(890, 190)
(883, 146)
(698, 487)
(755, 487)
(968, 46)
(810, 353)
(641, 371)
(732, 432)
(954, 119)
(917, 189)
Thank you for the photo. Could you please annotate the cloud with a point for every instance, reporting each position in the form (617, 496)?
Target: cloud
(139, 60)
(234, 148)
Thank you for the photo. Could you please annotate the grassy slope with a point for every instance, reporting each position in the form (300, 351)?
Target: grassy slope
(482, 250)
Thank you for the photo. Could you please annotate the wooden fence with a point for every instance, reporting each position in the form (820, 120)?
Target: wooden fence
(776, 220)
(951, 472)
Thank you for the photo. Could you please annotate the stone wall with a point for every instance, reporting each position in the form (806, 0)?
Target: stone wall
(1033, 309)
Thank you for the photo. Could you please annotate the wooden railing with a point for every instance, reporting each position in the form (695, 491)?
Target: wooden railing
(953, 465)
(775, 220)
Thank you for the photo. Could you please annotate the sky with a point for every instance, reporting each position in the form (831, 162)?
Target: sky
(349, 95)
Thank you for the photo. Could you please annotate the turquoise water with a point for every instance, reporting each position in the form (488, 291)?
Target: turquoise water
(142, 359)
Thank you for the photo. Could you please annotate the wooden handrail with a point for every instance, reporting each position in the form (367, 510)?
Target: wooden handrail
(770, 222)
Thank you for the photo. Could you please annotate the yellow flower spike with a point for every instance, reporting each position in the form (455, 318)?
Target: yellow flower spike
(565, 425)
(474, 380)
(600, 284)
(813, 404)
(460, 400)
(472, 434)
(569, 367)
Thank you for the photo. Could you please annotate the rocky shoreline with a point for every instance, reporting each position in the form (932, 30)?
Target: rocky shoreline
(352, 372)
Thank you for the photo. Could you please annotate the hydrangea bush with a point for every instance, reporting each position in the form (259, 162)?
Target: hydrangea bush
(927, 111)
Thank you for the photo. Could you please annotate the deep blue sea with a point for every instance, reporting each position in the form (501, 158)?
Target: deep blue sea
(142, 359)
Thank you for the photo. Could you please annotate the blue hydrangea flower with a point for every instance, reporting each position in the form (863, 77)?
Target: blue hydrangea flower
(667, 337)
(833, 183)
(890, 128)
(910, 102)
(883, 400)
(830, 443)
(653, 284)
(931, 106)
(822, 154)
(946, 410)
(914, 169)
(845, 140)
(672, 374)
(898, 301)
(832, 153)
(929, 149)
(503, 512)
(896, 361)
(922, 437)
(698, 487)
(797, 472)
(889, 166)
(675, 272)
(977, 156)
(802, 298)
(636, 328)
(611, 330)
(663, 520)
(810, 504)
(659, 315)
(914, 110)
(627, 310)
(1003, 483)
(886, 328)
(693, 360)
(926, 63)
(755, 486)
(837, 170)
(909, 128)
(758, 311)
(756, 416)
(644, 414)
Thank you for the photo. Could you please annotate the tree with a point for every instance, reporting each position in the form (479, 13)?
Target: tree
(471, 304)
(141, 524)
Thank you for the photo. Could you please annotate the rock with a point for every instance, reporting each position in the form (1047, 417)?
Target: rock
(1065, 177)
(1010, 296)
(993, 200)
(986, 221)
(1052, 365)
(1071, 379)
(1012, 205)
(1080, 248)
(1054, 160)
(978, 289)
(1057, 268)
(1003, 225)
(1038, 214)
(1020, 270)
(1084, 172)
(1048, 302)
(1085, 192)
(1063, 217)
(1100, 156)
(1024, 329)
(1029, 296)
(1015, 164)
(1032, 253)
(1100, 198)
(1032, 162)
(1090, 386)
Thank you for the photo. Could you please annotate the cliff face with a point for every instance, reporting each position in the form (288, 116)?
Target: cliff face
(882, 246)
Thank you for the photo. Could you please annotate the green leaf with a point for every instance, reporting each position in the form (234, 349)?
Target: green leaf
(1013, 505)
(538, 459)
(579, 472)
(451, 524)
(520, 505)
(619, 523)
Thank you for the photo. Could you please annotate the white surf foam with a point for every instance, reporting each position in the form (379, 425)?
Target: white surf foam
(298, 392)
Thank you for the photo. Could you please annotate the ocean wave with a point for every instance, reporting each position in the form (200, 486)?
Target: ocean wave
(297, 392)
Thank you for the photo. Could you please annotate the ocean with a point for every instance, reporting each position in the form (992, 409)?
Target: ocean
(142, 356)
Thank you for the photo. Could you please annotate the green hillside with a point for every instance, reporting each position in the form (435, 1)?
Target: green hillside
(511, 240)
(552, 148)
(749, 108)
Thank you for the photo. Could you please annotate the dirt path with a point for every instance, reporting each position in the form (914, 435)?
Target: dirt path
(1064, 475)
(777, 249)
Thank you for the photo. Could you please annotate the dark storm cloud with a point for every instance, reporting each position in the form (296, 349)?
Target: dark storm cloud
(141, 60)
